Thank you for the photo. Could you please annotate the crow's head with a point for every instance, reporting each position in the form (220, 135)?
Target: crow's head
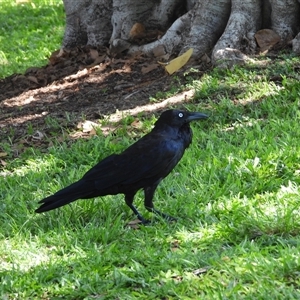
(177, 118)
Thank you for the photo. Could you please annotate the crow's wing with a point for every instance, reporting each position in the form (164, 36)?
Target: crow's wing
(149, 158)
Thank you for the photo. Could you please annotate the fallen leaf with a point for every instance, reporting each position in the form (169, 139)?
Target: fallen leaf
(3, 163)
(3, 154)
(135, 224)
(94, 54)
(33, 79)
(137, 31)
(266, 39)
(160, 51)
(178, 62)
(99, 59)
(149, 68)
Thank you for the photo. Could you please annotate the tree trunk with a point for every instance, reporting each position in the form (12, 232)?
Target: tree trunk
(227, 31)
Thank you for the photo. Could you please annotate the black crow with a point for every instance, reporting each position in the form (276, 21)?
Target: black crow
(141, 166)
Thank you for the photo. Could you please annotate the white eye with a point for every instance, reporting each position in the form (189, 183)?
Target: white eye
(180, 115)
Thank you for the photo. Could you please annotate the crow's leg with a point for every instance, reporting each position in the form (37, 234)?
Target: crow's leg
(149, 192)
(129, 201)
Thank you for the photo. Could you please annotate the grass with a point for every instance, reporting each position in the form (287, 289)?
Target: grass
(235, 193)
(29, 32)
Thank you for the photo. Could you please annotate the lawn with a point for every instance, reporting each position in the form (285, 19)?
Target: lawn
(30, 30)
(235, 193)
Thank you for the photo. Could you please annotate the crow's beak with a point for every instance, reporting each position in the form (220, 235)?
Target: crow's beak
(192, 116)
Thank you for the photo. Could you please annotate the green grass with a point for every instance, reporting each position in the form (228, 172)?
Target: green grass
(235, 192)
(29, 33)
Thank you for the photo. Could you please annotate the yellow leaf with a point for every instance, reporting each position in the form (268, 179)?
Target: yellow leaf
(3, 154)
(178, 62)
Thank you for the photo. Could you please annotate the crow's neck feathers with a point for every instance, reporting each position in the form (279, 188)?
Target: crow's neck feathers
(183, 132)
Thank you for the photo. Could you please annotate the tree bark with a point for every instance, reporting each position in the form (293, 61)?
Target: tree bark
(224, 30)
(285, 18)
(238, 37)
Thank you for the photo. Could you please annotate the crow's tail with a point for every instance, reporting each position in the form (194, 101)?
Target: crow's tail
(77, 190)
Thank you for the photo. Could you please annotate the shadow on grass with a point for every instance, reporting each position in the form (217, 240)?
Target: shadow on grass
(56, 170)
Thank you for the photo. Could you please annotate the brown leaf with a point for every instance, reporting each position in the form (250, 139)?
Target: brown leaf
(94, 54)
(33, 79)
(137, 31)
(3, 154)
(159, 51)
(149, 68)
(135, 224)
(266, 39)
(100, 59)
(3, 163)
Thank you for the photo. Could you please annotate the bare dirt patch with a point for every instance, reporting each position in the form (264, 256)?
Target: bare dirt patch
(81, 84)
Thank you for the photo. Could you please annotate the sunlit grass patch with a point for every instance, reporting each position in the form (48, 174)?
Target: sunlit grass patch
(30, 31)
(235, 194)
